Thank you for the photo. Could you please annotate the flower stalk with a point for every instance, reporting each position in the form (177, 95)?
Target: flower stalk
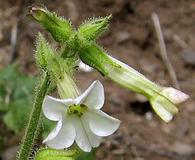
(33, 124)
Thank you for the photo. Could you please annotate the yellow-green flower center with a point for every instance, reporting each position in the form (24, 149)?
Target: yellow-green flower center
(77, 110)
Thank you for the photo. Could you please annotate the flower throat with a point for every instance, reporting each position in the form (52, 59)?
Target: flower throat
(77, 110)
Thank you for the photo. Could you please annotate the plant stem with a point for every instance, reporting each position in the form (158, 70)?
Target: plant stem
(33, 124)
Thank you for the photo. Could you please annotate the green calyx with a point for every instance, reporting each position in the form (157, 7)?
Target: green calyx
(78, 43)
(51, 61)
(59, 27)
(94, 27)
(43, 52)
(77, 110)
(62, 30)
(52, 154)
(38, 13)
(93, 55)
(60, 70)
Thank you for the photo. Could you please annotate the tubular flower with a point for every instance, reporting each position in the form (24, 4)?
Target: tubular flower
(79, 119)
(164, 101)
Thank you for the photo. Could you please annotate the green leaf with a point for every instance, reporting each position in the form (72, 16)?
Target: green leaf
(16, 93)
(16, 96)
(18, 114)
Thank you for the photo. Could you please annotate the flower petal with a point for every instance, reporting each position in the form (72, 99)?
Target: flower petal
(94, 139)
(162, 112)
(85, 139)
(174, 95)
(64, 138)
(53, 107)
(102, 124)
(84, 67)
(93, 97)
(53, 133)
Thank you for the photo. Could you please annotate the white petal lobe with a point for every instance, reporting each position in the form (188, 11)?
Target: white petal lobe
(102, 124)
(65, 136)
(162, 112)
(176, 96)
(52, 108)
(53, 133)
(85, 139)
(94, 139)
(93, 97)
(84, 67)
(81, 136)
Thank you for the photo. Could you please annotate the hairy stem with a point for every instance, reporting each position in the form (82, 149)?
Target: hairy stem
(33, 124)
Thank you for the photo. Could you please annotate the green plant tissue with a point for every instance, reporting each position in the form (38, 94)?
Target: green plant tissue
(16, 95)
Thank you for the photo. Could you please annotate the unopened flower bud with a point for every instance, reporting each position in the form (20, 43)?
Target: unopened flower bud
(43, 52)
(94, 27)
(59, 27)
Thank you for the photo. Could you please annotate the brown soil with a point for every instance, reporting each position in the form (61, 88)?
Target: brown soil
(132, 39)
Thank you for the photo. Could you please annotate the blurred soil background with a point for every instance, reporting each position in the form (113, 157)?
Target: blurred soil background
(132, 39)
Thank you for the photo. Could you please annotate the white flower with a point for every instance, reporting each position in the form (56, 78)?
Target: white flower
(165, 104)
(174, 95)
(84, 67)
(79, 119)
(164, 100)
